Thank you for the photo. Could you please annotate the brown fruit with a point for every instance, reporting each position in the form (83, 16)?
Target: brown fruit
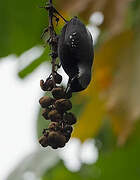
(63, 105)
(69, 118)
(47, 86)
(68, 129)
(42, 85)
(45, 113)
(57, 78)
(43, 140)
(56, 140)
(67, 136)
(54, 116)
(58, 93)
(53, 126)
(46, 101)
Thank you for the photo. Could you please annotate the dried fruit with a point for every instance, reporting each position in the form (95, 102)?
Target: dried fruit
(46, 101)
(45, 113)
(69, 118)
(68, 129)
(58, 93)
(63, 105)
(77, 41)
(57, 78)
(54, 126)
(55, 116)
(67, 136)
(43, 140)
(56, 140)
(47, 86)
(42, 85)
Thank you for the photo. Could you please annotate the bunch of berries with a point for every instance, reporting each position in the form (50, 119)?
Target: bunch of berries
(55, 109)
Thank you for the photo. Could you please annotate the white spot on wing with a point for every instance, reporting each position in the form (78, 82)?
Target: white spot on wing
(74, 33)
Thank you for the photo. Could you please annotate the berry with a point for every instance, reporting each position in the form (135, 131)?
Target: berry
(56, 140)
(63, 105)
(43, 140)
(67, 136)
(47, 86)
(46, 101)
(58, 93)
(57, 78)
(53, 126)
(45, 113)
(68, 129)
(55, 116)
(69, 118)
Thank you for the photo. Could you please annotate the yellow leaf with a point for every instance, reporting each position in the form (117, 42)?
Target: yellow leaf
(107, 61)
(114, 11)
(90, 119)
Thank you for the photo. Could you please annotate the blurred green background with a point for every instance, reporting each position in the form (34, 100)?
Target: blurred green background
(108, 110)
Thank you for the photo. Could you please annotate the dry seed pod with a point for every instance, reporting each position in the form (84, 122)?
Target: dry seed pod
(43, 140)
(54, 126)
(45, 113)
(55, 116)
(63, 105)
(57, 78)
(47, 86)
(58, 93)
(69, 118)
(46, 101)
(67, 136)
(68, 129)
(45, 133)
(56, 140)
(42, 85)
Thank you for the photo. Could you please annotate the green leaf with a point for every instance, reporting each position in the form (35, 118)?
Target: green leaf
(21, 25)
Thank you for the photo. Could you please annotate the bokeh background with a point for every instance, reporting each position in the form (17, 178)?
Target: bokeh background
(105, 143)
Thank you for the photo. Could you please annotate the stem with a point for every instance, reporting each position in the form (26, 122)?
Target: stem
(53, 39)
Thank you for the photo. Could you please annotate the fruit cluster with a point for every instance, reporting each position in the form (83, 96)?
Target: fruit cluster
(55, 109)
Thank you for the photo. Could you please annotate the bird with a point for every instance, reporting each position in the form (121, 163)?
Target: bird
(76, 54)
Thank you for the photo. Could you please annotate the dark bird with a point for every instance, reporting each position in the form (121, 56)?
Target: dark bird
(75, 50)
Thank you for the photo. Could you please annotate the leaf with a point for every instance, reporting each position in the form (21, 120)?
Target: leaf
(34, 165)
(108, 59)
(105, 65)
(123, 97)
(21, 25)
(90, 119)
(122, 163)
(114, 12)
(33, 65)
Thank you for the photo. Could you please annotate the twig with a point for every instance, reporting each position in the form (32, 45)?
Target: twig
(53, 38)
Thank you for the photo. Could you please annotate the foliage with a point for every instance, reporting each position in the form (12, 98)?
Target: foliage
(122, 163)
(113, 95)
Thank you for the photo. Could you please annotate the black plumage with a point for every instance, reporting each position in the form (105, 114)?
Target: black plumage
(75, 50)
